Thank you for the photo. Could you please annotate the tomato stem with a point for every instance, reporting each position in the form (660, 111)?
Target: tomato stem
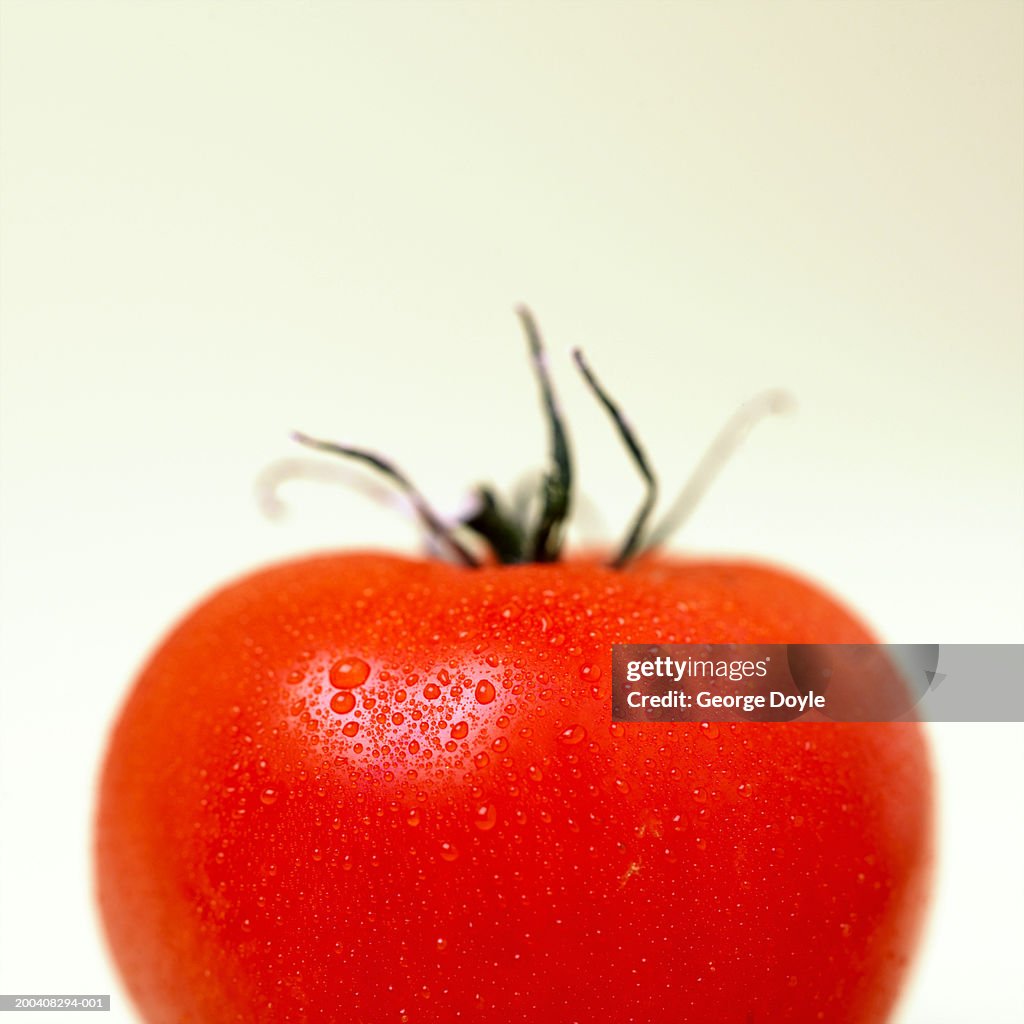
(498, 527)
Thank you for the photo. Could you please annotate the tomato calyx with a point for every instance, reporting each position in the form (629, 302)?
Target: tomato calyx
(433, 523)
(544, 544)
(510, 536)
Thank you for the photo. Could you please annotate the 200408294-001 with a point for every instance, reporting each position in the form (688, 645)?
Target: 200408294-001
(369, 789)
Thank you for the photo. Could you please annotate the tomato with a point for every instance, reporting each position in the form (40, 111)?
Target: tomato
(372, 789)
(362, 788)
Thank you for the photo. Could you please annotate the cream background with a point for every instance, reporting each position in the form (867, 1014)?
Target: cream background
(225, 221)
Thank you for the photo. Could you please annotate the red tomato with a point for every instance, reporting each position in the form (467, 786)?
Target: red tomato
(360, 788)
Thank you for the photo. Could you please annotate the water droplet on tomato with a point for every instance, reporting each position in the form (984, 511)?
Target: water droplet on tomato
(573, 735)
(343, 702)
(481, 760)
(449, 852)
(622, 785)
(441, 943)
(413, 818)
(500, 745)
(269, 796)
(744, 789)
(616, 729)
(709, 730)
(431, 691)
(460, 730)
(535, 773)
(350, 728)
(701, 843)
(486, 817)
(700, 795)
(485, 691)
(348, 673)
(590, 672)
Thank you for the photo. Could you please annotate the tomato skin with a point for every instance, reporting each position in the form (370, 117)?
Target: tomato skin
(499, 853)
